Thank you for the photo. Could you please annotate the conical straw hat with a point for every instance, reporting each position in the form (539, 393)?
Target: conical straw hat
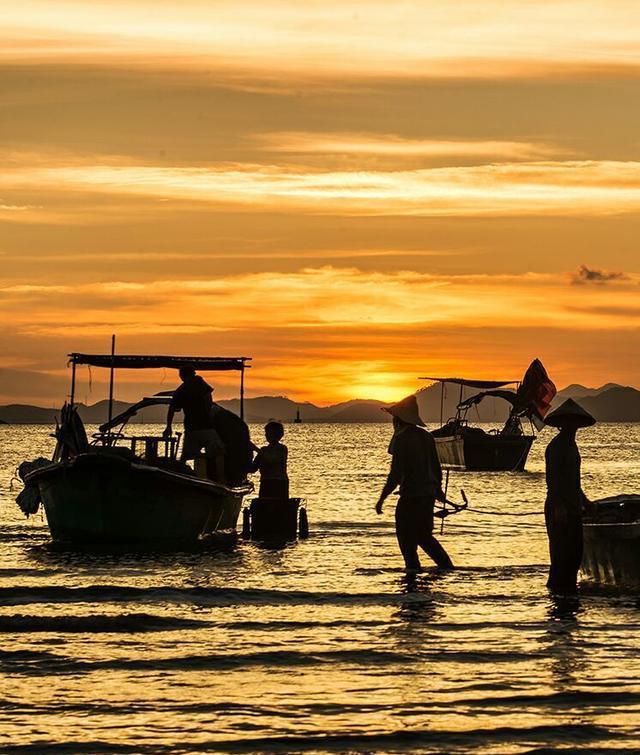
(570, 413)
(406, 410)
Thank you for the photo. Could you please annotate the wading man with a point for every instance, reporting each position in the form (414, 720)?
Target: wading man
(565, 502)
(193, 397)
(415, 469)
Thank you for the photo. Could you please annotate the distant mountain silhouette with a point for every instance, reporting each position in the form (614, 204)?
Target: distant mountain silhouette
(617, 404)
(359, 411)
(610, 403)
(264, 408)
(577, 391)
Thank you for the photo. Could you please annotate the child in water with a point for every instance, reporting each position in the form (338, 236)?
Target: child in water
(271, 462)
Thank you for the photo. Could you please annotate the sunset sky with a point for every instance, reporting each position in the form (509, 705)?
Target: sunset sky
(354, 194)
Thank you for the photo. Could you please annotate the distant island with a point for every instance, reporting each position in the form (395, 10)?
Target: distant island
(609, 403)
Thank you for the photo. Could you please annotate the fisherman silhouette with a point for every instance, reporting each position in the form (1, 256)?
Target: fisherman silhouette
(415, 469)
(194, 398)
(565, 500)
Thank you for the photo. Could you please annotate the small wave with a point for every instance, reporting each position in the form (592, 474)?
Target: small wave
(371, 659)
(346, 742)
(42, 663)
(208, 596)
(128, 623)
(36, 535)
(288, 625)
(18, 572)
(575, 700)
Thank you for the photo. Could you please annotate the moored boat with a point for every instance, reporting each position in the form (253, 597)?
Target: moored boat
(611, 531)
(130, 488)
(464, 446)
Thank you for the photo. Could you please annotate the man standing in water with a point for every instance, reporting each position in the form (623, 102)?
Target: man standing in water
(193, 397)
(565, 500)
(415, 469)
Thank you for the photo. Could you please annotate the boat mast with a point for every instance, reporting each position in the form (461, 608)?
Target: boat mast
(242, 391)
(111, 376)
(73, 383)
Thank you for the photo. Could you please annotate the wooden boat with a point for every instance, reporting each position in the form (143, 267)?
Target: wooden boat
(612, 542)
(106, 498)
(461, 445)
(127, 488)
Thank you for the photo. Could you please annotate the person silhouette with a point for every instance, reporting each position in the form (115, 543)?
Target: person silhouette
(565, 500)
(194, 397)
(271, 462)
(416, 470)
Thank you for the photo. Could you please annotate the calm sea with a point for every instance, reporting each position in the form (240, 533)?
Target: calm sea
(321, 646)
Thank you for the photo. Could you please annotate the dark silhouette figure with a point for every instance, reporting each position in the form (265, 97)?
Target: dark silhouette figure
(194, 398)
(415, 469)
(565, 500)
(271, 462)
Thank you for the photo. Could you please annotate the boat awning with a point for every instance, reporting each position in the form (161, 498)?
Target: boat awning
(510, 396)
(480, 384)
(126, 415)
(139, 362)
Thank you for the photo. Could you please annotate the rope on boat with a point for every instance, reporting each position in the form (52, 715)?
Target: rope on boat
(494, 512)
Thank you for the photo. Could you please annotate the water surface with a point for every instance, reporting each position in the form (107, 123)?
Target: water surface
(321, 646)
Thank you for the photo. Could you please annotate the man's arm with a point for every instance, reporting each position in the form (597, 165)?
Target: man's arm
(389, 486)
(168, 431)
(393, 480)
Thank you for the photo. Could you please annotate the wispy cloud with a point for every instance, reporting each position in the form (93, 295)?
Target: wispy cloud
(389, 145)
(409, 39)
(551, 188)
(313, 298)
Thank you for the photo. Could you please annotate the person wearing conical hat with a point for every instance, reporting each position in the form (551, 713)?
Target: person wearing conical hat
(415, 469)
(565, 500)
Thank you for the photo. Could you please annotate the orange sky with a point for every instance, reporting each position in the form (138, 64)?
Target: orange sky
(352, 193)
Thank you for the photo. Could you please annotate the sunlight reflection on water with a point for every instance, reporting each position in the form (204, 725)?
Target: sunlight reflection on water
(322, 646)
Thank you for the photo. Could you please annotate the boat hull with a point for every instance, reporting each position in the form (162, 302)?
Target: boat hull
(612, 541)
(612, 554)
(102, 499)
(484, 452)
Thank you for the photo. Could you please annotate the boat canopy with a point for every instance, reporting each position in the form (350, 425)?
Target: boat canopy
(126, 415)
(480, 384)
(510, 396)
(140, 362)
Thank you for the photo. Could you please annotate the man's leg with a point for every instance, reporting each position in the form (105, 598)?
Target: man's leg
(436, 552)
(428, 542)
(565, 550)
(190, 446)
(406, 534)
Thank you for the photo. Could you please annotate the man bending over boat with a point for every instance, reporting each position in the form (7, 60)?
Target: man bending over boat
(415, 468)
(194, 398)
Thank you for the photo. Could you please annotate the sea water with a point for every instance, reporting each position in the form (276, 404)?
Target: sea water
(323, 645)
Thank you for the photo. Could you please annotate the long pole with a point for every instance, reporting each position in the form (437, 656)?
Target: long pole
(441, 403)
(111, 376)
(242, 392)
(73, 383)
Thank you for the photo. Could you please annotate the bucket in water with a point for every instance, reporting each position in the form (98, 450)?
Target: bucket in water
(276, 519)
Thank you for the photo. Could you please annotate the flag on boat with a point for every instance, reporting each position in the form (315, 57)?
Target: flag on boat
(536, 391)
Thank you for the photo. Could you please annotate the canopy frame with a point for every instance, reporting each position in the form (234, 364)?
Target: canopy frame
(115, 361)
(465, 382)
